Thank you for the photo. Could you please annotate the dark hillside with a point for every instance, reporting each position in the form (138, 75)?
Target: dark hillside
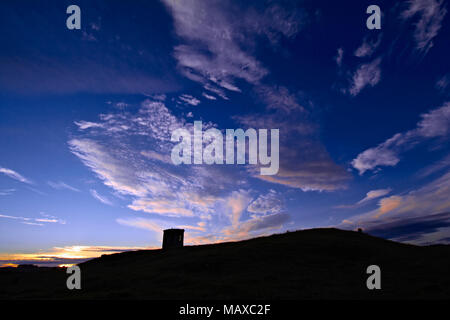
(309, 264)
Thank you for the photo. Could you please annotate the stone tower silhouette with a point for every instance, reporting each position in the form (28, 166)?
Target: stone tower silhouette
(173, 238)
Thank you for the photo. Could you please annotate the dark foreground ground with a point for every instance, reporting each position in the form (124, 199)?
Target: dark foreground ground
(310, 264)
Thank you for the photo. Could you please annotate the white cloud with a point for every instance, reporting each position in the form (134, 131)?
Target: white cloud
(14, 217)
(95, 26)
(310, 171)
(237, 202)
(430, 15)
(87, 125)
(339, 56)
(159, 97)
(279, 98)
(209, 97)
(266, 204)
(373, 194)
(130, 152)
(199, 227)
(246, 229)
(218, 91)
(166, 207)
(435, 123)
(109, 169)
(87, 36)
(141, 223)
(215, 34)
(408, 216)
(368, 74)
(121, 105)
(14, 175)
(367, 48)
(146, 173)
(265, 218)
(61, 185)
(443, 82)
(439, 165)
(385, 154)
(35, 221)
(6, 192)
(150, 154)
(189, 99)
(100, 198)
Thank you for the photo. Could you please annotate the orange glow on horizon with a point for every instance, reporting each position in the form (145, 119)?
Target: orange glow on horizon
(69, 253)
(9, 265)
(68, 265)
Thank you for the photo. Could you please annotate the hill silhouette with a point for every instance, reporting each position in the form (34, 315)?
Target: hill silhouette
(308, 264)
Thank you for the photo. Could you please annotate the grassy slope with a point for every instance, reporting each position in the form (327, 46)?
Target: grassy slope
(317, 263)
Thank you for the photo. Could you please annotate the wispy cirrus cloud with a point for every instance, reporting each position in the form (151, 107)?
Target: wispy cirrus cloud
(61, 185)
(437, 166)
(261, 220)
(236, 204)
(167, 207)
(374, 194)
(161, 189)
(434, 124)
(6, 192)
(218, 53)
(199, 227)
(367, 74)
(14, 175)
(246, 229)
(266, 204)
(188, 99)
(368, 47)
(443, 82)
(371, 195)
(208, 96)
(311, 171)
(217, 46)
(150, 154)
(99, 66)
(429, 15)
(339, 57)
(77, 76)
(141, 223)
(157, 226)
(100, 197)
(413, 216)
(280, 99)
(145, 173)
(217, 50)
(40, 221)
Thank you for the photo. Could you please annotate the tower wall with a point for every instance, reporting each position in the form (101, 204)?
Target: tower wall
(173, 238)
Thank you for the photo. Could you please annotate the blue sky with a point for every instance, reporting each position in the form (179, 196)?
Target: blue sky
(86, 118)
